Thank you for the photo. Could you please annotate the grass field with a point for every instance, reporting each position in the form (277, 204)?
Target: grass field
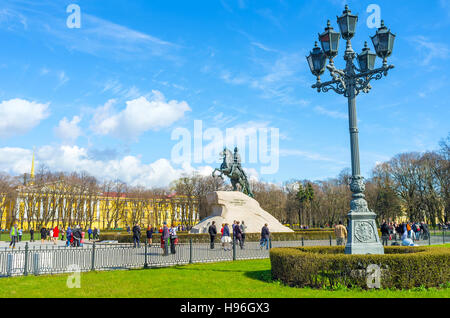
(240, 279)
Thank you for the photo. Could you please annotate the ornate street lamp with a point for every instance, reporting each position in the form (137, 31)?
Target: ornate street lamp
(383, 42)
(362, 230)
(329, 41)
(316, 61)
(366, 59)
(347, 24)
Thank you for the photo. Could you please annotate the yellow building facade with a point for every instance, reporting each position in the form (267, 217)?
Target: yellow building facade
(60, 203)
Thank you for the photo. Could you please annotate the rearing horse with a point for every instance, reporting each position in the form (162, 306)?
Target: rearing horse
(233, 171)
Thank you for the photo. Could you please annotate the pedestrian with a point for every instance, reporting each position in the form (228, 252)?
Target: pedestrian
(265, 234)
(43, 234)
(150, 235)
(98, 234)
(165, 239)
(136, 235)
(417, 231)
(14, 236)
(173, 238)
(20, 235)
(238, 234)
(226, 239)
(77, 235)
(128, 229)
(212, 233)
(49, 234)
(31, 235)
(89, 233)
(243, 230)
(341, 233)
(69, 236)
(94, 233)
(384, 233)
(63, 233)
(55, 234)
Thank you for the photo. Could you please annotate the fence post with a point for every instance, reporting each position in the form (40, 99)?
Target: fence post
(9, 265)
(93, 257)
(190, 250)
(146, 249)
(36, 264)
(25, 266)
(234, 249)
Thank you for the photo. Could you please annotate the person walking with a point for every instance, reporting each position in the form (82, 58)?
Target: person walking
(95, 234)
(238, 234)
(89, 233)
(226, 239)
(384, 233)
(341, 233)
(165, 239)
(14, 236)
(31, 235)
(20, 235)
(63, 233)
(69, 236)
(136, 235)
(265, 234)
(149, 235)
(243, 229)
(55, 234)
(77, 236)
(212, 233)
(43, 234)
(173, 238)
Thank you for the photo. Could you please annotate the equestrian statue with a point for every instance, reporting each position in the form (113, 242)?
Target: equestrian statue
(231, 167)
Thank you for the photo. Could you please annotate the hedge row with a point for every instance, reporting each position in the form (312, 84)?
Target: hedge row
(329, 267)
(204, 238)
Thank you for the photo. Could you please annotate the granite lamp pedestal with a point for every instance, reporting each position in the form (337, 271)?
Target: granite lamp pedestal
(362, 229)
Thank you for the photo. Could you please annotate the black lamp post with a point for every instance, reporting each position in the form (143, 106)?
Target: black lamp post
(362, 233)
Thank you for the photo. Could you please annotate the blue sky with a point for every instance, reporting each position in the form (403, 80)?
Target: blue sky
(106, 97)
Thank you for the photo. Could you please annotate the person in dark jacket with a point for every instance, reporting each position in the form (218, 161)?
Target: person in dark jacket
(77, 236)
(43, 234)
(238, 234)
(150, 235)
(31, 235)
(165, 239)
(384, 233)
(265, 234)
(212, 230)
(136, 235)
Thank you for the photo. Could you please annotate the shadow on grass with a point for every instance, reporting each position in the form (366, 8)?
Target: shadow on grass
(261, 275)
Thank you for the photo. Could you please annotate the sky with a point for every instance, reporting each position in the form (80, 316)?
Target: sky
(109, 95)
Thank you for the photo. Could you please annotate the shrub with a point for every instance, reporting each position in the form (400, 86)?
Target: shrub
(329, 267)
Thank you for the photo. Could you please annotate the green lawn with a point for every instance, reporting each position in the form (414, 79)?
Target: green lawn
(248, 279)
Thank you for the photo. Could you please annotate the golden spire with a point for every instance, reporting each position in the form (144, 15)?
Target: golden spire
(32, 169)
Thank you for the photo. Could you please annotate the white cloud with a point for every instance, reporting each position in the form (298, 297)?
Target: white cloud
(429, 50)
(68, 131)
(19, 116)
(139, 116)
(330, 113)
(129, 169)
